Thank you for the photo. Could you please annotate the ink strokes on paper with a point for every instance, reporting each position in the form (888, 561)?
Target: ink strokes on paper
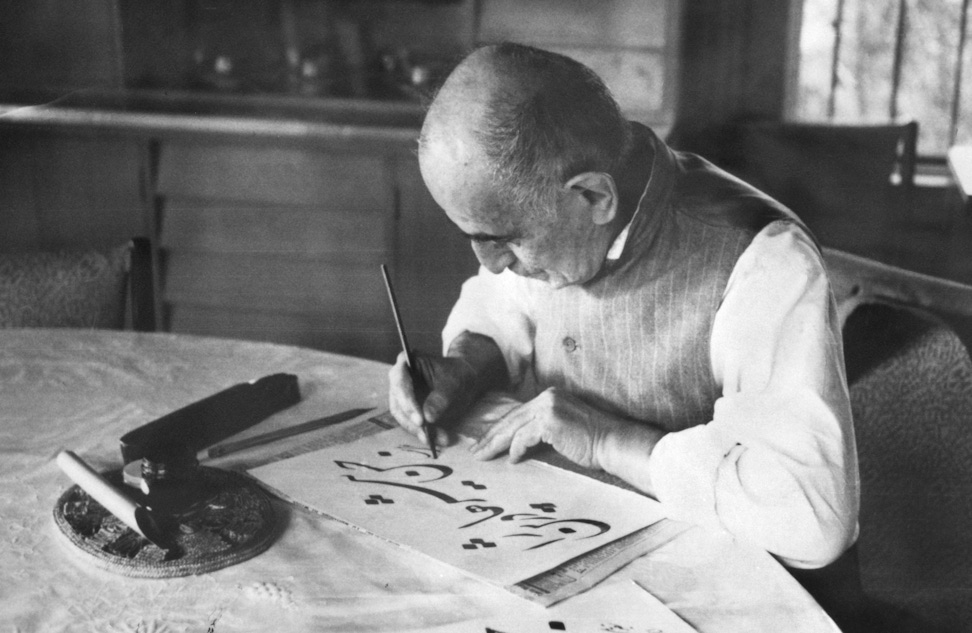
(537, 526)
(611, 607)
(498, 521)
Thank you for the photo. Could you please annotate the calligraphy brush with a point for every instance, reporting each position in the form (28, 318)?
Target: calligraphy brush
(418, 382)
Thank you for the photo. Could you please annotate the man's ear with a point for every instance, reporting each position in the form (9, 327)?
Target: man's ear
(599, 193)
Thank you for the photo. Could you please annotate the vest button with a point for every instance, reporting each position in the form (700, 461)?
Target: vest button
(569, 344)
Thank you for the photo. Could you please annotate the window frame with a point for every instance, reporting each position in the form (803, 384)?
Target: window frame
(931, 165)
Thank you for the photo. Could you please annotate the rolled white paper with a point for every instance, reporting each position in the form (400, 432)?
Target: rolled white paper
(101, 490)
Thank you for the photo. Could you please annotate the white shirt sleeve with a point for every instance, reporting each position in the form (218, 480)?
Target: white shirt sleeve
(494, 306)
(777, 465)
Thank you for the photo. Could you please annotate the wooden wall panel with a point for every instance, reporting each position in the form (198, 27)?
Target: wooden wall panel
(63, 190)
(277, 175)
(278, 243)
(19, 222)
(619, 23)
(637, 78)
(432, 259)
(631, 44)
(734, 61)
(47, 44)
(275, 282)
(305, 231)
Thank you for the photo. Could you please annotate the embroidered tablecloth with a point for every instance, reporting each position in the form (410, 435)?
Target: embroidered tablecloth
(80, 390)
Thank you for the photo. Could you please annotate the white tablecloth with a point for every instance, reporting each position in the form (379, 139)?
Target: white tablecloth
(81, 390)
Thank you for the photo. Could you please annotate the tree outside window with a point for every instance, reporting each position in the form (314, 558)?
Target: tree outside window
(880, 61)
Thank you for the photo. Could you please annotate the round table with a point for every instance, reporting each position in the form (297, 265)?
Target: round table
(81, 390)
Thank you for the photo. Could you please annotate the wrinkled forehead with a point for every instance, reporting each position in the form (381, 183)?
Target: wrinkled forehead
(461, 182)
(450, 154)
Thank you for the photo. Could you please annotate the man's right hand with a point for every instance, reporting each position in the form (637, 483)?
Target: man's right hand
(451, 389)
(473, 366)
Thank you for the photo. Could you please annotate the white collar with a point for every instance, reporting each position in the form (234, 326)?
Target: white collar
(617, 247)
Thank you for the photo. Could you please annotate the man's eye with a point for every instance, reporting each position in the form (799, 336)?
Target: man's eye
(496, 241)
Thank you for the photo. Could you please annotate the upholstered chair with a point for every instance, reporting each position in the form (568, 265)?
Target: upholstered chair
(108, 289)
(910, 377)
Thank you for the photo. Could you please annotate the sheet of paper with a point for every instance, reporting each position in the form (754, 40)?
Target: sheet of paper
(498, 521)
(613, 607)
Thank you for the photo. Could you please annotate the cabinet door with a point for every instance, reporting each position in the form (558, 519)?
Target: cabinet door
(70, 189)
(277, 243)
(432, 259)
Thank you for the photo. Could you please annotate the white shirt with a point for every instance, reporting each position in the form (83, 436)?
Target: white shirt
(777, 464)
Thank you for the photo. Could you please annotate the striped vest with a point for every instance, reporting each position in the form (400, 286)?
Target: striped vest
(635, 339)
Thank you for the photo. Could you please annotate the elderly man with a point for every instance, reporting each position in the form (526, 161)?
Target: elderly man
(669, 324)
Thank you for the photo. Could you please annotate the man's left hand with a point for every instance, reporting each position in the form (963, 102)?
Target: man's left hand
(574, 429)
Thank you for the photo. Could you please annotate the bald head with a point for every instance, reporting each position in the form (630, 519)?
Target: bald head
(449, 143)
(519, 148)
(460, 104)
(529, 118)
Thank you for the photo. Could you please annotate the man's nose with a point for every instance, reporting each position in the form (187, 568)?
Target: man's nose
(494, 257)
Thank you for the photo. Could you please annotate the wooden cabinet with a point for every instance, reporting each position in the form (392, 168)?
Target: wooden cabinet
(277, 243)
(262, 236)
(283, 241)
(64, 188)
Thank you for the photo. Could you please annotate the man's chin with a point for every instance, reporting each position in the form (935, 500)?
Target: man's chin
(554, 281)
(536, 276)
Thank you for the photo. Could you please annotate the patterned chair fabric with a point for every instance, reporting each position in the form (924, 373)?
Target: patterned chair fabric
(910, 381)
(84, 289)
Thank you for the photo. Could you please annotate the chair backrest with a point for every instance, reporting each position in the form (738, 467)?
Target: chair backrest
(910, 378)
(79, 288)
(858, 280)
(850, 184)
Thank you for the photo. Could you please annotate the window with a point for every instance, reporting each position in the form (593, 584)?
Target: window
(874, 61)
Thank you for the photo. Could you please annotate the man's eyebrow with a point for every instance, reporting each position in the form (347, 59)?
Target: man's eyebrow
(487, 237)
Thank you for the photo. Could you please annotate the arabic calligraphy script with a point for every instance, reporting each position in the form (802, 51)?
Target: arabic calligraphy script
(496, 520)
(536, 526)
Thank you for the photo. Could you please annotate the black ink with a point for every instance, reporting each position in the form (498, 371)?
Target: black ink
(443, 471)
(599, 525)
(421, 450)
(435, 493)
(517, 515)
(531, 534)
(476, 543)
(472, 484)
(544, 507)
(556, 625)
(538, 545)
(376, 499)
(496, 511)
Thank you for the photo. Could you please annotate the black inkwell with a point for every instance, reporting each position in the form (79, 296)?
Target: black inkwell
(171, 480)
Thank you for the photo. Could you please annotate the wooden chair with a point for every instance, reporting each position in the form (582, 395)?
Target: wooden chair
(851, 184)
(79, 288)
(910, 380)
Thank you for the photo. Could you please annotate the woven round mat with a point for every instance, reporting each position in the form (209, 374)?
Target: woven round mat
(236, 524)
